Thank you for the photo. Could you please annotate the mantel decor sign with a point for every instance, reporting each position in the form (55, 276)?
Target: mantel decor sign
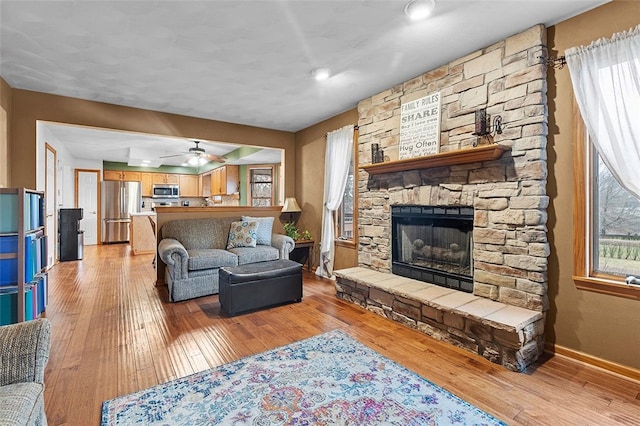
(420, 127)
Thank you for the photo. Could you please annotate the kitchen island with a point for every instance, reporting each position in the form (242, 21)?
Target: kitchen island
(143, 232)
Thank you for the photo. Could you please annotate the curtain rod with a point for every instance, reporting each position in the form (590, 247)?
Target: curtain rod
(355, 128)
(557, 63)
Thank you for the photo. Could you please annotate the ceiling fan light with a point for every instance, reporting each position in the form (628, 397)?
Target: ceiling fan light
(193, 161)
(202, 161)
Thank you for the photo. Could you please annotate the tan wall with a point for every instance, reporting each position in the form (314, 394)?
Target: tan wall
(27, 107)
(605, 327)
(5, 131)
(310, 152)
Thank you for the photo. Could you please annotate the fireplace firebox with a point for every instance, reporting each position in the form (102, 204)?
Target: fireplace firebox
(433, 244)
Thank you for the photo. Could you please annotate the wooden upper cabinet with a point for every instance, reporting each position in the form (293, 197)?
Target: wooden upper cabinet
(173, 179)
(120, 175)
(158, 178)
(165, 178)
(147, 184)
(216, 181)
(189, 185)
(132, 176)
(205, 185)
(112, 175)
(225, 180)
(232, 179)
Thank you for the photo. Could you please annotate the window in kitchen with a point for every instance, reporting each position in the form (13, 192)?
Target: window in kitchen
(261, 186)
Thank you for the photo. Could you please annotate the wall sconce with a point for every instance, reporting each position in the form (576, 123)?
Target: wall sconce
(484, 129)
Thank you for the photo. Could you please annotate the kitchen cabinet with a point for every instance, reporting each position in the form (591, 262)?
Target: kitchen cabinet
(120, 175)
(189, 185)
(147, 183)
(165, 178)
(205, 185)
(225, 180)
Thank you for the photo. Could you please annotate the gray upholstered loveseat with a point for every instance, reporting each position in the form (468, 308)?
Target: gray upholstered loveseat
(24, 352)
(194, 250)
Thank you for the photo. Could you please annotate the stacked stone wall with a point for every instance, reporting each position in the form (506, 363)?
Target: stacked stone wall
(510, 246)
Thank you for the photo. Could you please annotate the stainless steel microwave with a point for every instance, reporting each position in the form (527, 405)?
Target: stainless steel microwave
(165, 191)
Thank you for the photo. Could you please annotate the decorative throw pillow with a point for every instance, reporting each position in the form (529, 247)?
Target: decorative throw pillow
(242, 234)
(265, 228)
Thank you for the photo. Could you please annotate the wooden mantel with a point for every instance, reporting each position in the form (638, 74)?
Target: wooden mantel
(460, 156)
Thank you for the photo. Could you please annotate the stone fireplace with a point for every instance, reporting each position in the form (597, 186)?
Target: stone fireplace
(433, 244)
(498, 258)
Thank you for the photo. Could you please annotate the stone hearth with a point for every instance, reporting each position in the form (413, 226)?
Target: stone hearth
(506, 335)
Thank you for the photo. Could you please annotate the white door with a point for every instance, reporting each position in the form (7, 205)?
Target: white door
(50, 201)
(87, 199)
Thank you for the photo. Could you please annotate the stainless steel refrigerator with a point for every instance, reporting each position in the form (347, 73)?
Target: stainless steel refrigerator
(118, 201)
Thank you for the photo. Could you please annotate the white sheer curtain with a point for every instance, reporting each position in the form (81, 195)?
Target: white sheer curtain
(606, 82)
(336, 170)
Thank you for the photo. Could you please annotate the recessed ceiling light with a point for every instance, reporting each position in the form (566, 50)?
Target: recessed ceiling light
(419, 9)
(321, 73)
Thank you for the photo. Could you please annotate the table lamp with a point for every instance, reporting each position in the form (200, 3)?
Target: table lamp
(290, 206)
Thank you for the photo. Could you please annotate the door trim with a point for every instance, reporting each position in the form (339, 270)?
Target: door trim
(54, 234)
(98, 173)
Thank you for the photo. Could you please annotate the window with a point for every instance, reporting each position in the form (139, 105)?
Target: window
(345, 216)
(261, 186)
(607, 225)
(616, 224)
(605, 78)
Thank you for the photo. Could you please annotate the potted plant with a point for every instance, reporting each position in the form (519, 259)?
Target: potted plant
(292, 231)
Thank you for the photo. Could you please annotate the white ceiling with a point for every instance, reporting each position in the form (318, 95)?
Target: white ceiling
(108, 145)
(247, 62)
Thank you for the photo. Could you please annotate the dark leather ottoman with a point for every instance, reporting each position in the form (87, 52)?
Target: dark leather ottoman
(259, 285)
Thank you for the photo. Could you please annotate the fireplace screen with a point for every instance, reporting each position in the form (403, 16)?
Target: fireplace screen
(434, 244)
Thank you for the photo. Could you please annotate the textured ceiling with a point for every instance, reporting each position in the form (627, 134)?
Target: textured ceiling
(247, 62)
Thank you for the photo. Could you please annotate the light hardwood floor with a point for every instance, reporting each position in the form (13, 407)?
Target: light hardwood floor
(114, 332)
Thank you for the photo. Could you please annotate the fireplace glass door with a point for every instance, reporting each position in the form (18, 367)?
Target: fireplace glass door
(434, 244)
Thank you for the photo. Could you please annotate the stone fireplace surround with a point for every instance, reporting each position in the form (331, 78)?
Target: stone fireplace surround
(503, 320)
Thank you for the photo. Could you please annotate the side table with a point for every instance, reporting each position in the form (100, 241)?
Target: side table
(303, 252)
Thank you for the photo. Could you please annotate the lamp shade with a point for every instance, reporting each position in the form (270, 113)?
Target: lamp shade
(290, 206)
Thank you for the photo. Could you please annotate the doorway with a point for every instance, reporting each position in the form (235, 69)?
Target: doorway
(87, 198)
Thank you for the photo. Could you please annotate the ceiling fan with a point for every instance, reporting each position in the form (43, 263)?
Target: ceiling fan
(197, 156)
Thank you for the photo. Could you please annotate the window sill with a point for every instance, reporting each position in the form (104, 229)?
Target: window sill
(345, 243)
(605, 286)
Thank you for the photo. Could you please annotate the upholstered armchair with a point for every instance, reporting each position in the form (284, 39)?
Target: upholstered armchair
(24, 352)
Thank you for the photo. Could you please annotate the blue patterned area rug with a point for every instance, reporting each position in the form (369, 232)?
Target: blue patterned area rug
(327, 379)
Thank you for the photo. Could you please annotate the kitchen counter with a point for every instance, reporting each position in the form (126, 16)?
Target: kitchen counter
(245, 210)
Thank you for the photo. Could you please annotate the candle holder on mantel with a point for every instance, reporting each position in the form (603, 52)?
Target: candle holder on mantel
(377, 155)
(483, 128)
